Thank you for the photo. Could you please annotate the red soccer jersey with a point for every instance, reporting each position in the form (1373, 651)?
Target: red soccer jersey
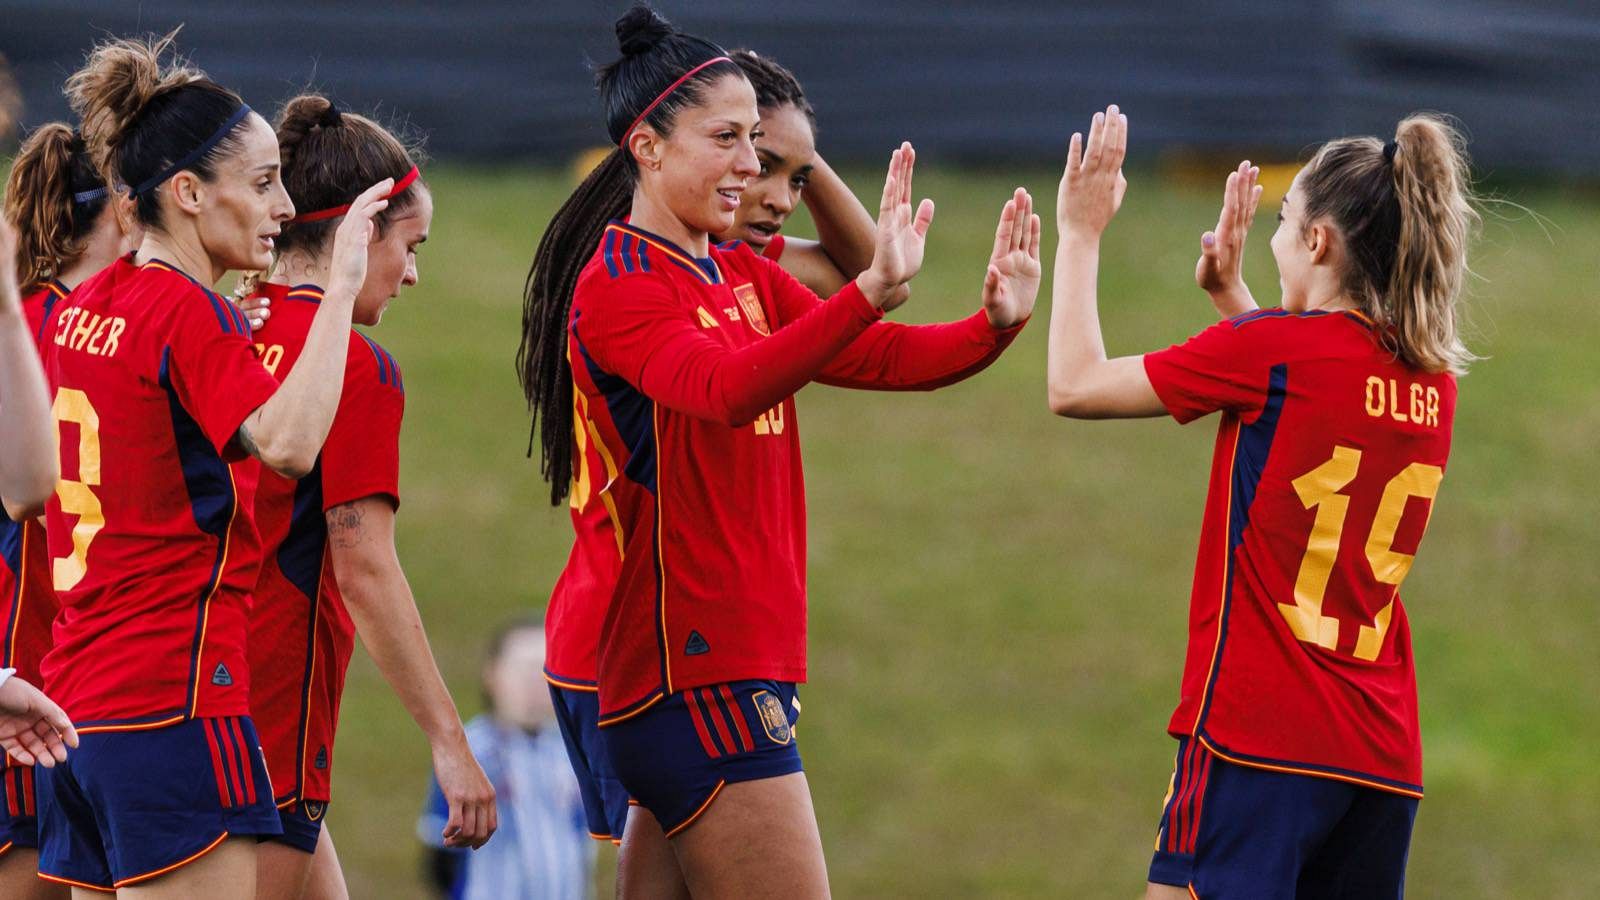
(684, 371)
(153, 551)
(301, 636)
(27, 602)
(774, 248)
(1328, 458)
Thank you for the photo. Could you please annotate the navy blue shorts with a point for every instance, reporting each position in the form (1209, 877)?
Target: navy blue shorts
(128, 806)
(605, 803)
(19, 822)
(676, 755)
(302, 824)
(1232, 831)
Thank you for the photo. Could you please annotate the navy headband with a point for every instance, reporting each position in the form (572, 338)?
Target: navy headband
(196, 153)
(83, 197)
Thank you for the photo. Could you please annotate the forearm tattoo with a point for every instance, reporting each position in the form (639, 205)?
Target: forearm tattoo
(346, 526)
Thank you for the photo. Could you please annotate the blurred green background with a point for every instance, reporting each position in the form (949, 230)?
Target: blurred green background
(998, 597)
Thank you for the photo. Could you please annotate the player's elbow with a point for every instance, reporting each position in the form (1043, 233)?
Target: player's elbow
(291, 458)
(1068, 401)
(28, 507)
(26, 494)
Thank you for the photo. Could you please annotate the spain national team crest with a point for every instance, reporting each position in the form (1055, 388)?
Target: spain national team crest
(773, 717)
(315, 809)
(751, 304)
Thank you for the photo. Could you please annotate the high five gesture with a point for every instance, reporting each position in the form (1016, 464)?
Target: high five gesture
(902, 235)
(1218, 272)
(1012, 282)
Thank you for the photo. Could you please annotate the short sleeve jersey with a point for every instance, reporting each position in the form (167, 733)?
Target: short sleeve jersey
(301, 636)
(153, 551)
(692, 497)
(27, 602)
(1328, 458)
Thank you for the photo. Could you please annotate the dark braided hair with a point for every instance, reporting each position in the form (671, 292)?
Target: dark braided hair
(776, 87)
(654, 55)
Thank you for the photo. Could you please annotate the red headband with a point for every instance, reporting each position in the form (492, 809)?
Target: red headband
(667, 93)
(336, 211)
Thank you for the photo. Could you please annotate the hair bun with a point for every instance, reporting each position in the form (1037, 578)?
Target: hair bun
(641, 29)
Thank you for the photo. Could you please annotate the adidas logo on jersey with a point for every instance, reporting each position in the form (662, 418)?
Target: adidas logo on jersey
(321, 762)
(221, 677)
(696, 645)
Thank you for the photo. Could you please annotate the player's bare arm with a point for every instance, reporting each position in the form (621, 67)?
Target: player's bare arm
(288, 431)
(1083, 383)
(361, 540)
(28, 463)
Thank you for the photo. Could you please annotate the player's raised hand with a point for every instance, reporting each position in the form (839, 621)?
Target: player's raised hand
(1012, 282)
(1092, 185)
(901, 235)
(1218, 271)
(32, 728)
(349, 267)
(473, 815)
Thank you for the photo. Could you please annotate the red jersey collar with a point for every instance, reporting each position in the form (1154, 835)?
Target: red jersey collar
(704, 267)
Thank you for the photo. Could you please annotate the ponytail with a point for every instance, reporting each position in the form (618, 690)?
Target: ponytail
(140, 113)
(542, 365)
(1436, 221)
(54, 196)
(1405, 213)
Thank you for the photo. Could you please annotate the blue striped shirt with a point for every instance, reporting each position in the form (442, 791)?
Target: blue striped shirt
(542, 850)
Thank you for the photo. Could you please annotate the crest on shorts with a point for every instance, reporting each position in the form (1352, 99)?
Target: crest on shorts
(751, 304)
(315, 810)
(774, 720)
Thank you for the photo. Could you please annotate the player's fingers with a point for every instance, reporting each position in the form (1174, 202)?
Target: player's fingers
(924, 218)
(371, 200)
(907, 171)
(1074, 155)
(889, 190)
(37, 748)
(16, 751)
(54, 722)
(1002, 229)
(1020, 222)
(1119, 137)
(1252, 206)
(1034, 227)
(1096, 144)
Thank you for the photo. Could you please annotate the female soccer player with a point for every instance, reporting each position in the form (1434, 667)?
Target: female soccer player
(668, 364)
(1299, 764)
(59, 204)
(790, 169)
(329, 565)
(152, 546)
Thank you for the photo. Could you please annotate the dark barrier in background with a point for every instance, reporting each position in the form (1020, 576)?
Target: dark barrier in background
(1000, 80)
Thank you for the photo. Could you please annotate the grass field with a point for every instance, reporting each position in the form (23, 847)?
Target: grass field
(998, 596)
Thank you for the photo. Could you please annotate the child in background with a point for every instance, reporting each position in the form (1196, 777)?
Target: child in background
(542, 850)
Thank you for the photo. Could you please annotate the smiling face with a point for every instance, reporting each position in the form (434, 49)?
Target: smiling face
(243, 207)
(392, 258)
(786, 149)
(701, 169)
